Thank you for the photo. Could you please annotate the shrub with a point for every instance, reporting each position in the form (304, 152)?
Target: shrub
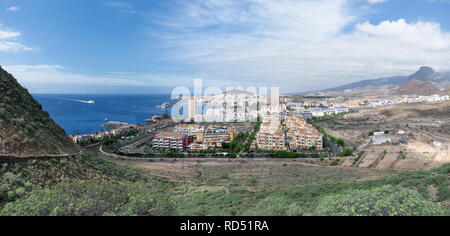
(335, 162)
(276, 205)
(20, 191)
(11, 194)
(91, 199)
(347, 152)
(383, 201)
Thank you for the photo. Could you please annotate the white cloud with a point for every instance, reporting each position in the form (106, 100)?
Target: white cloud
(56, 74)
(56, 78)
(13, 8)
(298, 45)
(8, 34)
(8, 41)
(376, 1)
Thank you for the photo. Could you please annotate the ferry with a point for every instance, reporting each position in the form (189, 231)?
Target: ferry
(91, 102)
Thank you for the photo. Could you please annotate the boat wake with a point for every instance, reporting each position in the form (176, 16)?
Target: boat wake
(74, 100)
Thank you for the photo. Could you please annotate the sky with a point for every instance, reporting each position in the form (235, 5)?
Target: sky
(141, 46)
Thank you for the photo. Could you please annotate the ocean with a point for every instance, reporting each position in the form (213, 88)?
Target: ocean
(76, 116)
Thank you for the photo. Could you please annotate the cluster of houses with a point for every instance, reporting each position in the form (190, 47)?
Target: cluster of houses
(309, 109)
(323, 108)
(409, 99)
(232, 106)
(88, 138)
(241, 112)
(293, 134)
(194, 137)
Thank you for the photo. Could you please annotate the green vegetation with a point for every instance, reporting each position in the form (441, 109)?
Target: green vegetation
(333, 139)
(346, 153)
(320, 129)
(93, 199)
(94, 186)
(275, 205)
(25, 129)
(335, 162)
(287, 154)
(111, 144)
(329, 117)
(87, 185)
(360, 154)
(383, 201)
(252, 136)
(237, 144)
(312, 199)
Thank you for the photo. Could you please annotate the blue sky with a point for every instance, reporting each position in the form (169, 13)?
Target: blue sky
(100, 46)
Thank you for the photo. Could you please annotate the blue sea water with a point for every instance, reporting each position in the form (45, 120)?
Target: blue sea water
(76, 116)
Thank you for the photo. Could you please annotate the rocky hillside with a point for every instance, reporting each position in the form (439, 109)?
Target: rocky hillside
(427, 74)
(446, 91)
(417, 87)
(25, 129)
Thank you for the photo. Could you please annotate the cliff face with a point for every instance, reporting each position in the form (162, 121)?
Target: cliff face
(25, 129)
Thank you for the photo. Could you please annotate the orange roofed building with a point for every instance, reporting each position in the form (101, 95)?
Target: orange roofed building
(302, 135)
(271, 137)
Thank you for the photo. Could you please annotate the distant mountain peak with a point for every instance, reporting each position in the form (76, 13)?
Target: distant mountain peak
(424, 73)
(238, 92)
(426, 69)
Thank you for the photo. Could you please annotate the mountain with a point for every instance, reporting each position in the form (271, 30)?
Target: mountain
(446, 91)
(389, 81)
(417, 87)
(235, 92)
(25, 129)
(424, 74)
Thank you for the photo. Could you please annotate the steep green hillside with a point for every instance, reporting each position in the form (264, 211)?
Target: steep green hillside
(25, 129)
(83, 185)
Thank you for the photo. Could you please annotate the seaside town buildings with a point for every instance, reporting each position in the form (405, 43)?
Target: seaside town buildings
(195, 137)
(302, 135)
(172, 140)
(292, 134)
(283, 125)
(86, 138)
(271, 136)
(408, 99)
(214, 136)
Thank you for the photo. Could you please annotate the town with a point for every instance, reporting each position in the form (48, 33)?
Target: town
(248, 126)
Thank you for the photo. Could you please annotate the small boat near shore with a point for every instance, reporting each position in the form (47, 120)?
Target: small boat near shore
(164, 105)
